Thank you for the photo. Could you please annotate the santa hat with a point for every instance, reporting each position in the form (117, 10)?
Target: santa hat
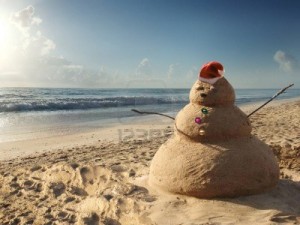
(211, 72)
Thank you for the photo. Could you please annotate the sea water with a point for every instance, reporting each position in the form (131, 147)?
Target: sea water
(40, 109)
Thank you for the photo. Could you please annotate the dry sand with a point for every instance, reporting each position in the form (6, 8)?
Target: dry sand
(97, 178)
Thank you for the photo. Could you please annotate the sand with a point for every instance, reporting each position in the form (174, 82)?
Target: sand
(100, 178)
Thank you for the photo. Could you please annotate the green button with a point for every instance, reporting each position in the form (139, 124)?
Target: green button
(204, 111)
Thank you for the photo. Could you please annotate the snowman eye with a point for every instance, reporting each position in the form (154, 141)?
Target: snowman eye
(213, 89)
(200, 88)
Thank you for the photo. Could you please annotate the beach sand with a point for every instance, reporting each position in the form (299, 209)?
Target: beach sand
(100, 177)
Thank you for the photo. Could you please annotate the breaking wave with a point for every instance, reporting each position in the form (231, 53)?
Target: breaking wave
(21, 105)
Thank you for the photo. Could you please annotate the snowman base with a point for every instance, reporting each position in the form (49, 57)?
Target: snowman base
(235, 167)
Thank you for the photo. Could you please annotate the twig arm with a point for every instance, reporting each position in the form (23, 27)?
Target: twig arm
(278, 93)
(155, 113)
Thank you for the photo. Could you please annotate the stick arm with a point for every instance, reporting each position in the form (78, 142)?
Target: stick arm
(278, 93)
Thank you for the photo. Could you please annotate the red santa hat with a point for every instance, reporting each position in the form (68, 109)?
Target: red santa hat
(211, 72)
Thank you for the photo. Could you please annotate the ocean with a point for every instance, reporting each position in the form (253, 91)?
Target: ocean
(41, 109)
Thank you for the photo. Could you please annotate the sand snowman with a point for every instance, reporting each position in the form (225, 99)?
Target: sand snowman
(212, 152)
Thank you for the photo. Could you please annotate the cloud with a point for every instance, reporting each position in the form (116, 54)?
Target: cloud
(70, 74)
(55, 61)
(30, 54)
(174, 70)
(177, 73)
(24, 18)
(286, 62)
(170, 71)
(192, 73)
(37, 45)
(33, 42)
(144, 68)
(31, 62)
(36, 20)
(64, 73)
(48, 46)
(73, 68)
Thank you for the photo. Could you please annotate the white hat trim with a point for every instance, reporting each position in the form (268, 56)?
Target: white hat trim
(221, 72)
(211, 80)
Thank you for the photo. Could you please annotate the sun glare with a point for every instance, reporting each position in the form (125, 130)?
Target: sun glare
(3, 31)
(4, 35)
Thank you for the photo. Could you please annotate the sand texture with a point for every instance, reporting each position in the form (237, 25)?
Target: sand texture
(106, 183)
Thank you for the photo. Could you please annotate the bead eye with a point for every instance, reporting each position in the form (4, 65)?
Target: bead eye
(213, 89)
(200, 88)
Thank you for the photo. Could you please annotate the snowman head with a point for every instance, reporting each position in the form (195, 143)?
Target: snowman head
(212, 89)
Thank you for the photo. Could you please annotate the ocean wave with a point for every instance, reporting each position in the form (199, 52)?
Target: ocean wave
(84, 103)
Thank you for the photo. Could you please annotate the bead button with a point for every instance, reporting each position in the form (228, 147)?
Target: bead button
(204, 111)
(198, 120)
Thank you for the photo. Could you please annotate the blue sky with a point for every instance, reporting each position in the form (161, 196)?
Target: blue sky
(143, 43)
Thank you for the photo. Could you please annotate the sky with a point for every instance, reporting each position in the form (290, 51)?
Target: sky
(148, 43)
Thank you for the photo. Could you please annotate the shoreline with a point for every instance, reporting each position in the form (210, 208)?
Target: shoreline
(143, 127)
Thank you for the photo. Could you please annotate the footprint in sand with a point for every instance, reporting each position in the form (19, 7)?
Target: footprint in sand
(66, 217)
(78, 191)
(284, 218)
(35, 168)
(118, 168)
(131, 173)
(69, 199)
(32, 185)
(74, 165)
(93, 175)
(57, 188)
(89, 174)
(92, 219)
(14, 184)
(110, 221)
(15, 221)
